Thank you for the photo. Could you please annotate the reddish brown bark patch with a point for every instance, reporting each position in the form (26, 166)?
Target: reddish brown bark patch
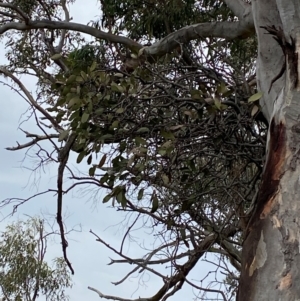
(265, 205)
(285, 282)
(273, 170)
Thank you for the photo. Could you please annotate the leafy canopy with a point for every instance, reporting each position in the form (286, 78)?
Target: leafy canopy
(170, 136)
(24, 271)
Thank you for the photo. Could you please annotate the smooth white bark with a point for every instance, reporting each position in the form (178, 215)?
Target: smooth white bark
(271, 251)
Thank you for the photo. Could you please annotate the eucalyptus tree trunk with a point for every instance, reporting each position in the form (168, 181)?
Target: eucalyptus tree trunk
(271, 251)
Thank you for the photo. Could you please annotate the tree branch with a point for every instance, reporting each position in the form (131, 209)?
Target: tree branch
(239, 8)
(173, 283)
(67, 19)
(16, 9)
(39, 24)
(63, 157)
(30, 98)
(144, 266)
(32, 142)
(226, 30)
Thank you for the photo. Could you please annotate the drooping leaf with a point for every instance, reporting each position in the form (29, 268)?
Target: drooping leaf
(140, 194)
(255, 97)
(102, 161)
(89, 159)
(107, 198)
(154, 200)
(93, 67)
(80, 157)
(217, 103)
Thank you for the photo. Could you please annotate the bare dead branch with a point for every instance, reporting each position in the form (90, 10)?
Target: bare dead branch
(174, 282)
(22, 201)
(129, 260)
(32, 142)
(108, 297)
(146, 261)
(127, 232)
(154, 262)
(206, 289)
(30, 98)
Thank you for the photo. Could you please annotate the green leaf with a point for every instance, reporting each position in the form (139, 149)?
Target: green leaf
(140, 141)
(99, 111)
(80, 156)
(106, 136)
(104, 179)
(83, 75)
(221, 89)
(79, 79)
(107, 198)
(168, 135)
(196, 94)
(73, 101)
(71, 79)
(255, 97)
(167, 144)
(63, 135)
(121, 198)
(165, 179)
(115, 124)
(162, 152)
(102, 161)
(92, 171)
(93, 67)
(217, 103)
(85, 117)
(56, 56)
(182, 233)
(89, 159)
(154, 202)
(117, 88)
(120, 110)
(143, 130)
(140, 194)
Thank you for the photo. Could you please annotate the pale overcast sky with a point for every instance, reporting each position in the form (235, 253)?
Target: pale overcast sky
(88, 257)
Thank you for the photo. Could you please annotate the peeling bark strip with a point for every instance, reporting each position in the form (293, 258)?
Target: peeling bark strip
(273, 170)
(255, 248)
(260, 255)
(289, 51)
(275, 160)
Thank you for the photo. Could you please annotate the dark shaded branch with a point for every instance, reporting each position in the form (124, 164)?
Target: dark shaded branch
(63, 159)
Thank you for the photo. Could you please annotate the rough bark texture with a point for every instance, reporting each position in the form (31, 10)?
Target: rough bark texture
(271, 251)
